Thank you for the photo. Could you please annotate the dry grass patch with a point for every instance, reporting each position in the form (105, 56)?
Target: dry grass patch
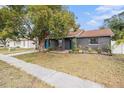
(16, 50)
(107, 70)
(11, 77)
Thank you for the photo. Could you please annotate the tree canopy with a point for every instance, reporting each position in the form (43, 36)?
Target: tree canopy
(35, 22)
(11, 24)
(54, 21)
(116, 23)
(60, 23)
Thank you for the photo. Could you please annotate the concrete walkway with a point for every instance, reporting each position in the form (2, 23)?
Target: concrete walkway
(52, 77)
(21, 53)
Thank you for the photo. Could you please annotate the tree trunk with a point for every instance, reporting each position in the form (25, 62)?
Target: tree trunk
(4, 42)
(41, 44)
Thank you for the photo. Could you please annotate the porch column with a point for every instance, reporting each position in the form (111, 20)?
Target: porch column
(63, 44)
(74, 43)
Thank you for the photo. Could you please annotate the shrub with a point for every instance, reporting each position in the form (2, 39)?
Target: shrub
(107, 49)
(99, 50)
(50, 49)
(18, 47)
(70, 51)
(90, 50)
(74, 50)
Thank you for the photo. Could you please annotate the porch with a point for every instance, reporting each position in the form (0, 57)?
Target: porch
(60, 44)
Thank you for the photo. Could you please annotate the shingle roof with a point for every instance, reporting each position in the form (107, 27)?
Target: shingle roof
(74, 34)
(91, 33)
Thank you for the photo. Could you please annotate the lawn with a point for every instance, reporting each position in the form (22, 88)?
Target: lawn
(11, 77)
(16, 50)
(107, 70)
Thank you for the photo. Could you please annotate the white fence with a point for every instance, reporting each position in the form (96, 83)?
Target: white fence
(117, 49)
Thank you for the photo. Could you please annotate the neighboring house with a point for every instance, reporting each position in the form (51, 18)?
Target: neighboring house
(82, 39)
(23, 43)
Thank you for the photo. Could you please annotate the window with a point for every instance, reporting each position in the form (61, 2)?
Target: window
(94, 41)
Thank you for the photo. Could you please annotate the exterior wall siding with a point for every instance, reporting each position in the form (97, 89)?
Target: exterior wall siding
(66, 43)
(70, 43)
(53, 43)
(102, 42)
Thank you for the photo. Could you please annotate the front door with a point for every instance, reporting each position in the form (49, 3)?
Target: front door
(47, 43)
(68, 44)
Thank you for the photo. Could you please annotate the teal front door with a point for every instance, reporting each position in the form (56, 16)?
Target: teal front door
(47, 43)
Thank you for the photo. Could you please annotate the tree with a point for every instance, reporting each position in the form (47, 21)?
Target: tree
(60, 23)
(39, 22)
(49, 20)
(18, 22)
(11, 23)
(35, 22)
(116, 23)
(5, 31)
(4, 35)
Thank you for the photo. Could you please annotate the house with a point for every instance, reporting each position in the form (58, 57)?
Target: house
(81, 39)
(23, 43)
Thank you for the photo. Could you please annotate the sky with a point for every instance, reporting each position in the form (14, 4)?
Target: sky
(92, 16)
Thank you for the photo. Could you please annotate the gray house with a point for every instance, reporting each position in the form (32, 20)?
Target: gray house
(82, 39)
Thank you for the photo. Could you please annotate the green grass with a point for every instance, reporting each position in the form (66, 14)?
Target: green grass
(107, 70)
(11, 77)
(16, 50)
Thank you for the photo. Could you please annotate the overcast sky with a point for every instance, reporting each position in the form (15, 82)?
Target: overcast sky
(92, 16)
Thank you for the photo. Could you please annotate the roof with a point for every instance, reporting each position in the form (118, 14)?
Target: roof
(74, 34)
(91, 33)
